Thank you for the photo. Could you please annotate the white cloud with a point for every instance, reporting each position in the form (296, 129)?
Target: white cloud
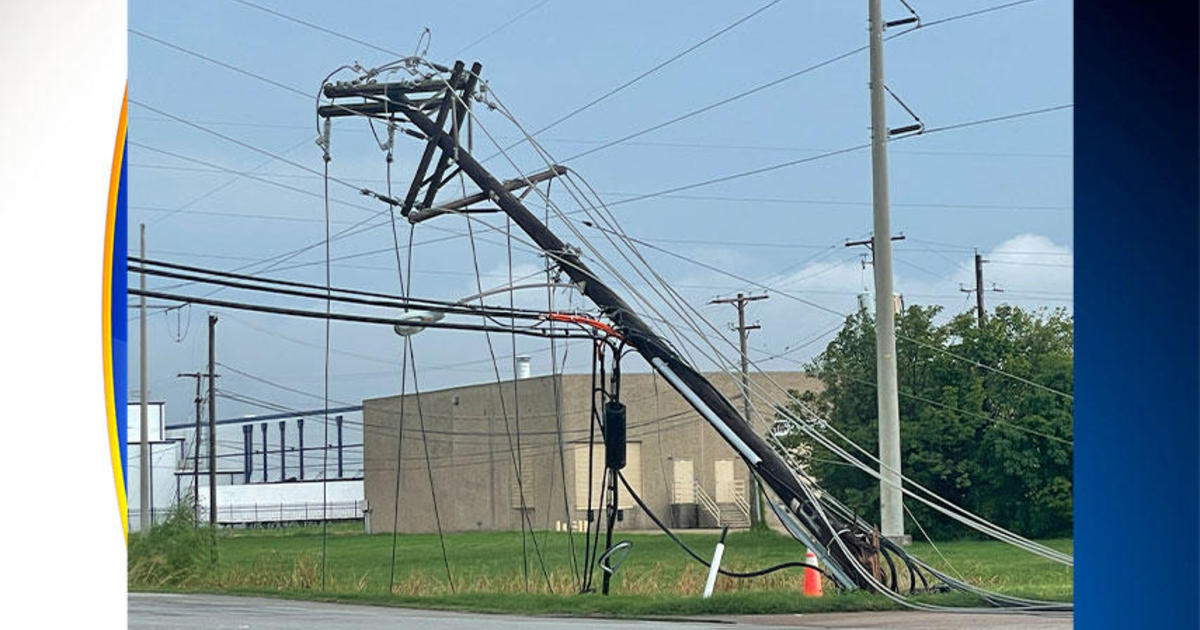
(1028, 262)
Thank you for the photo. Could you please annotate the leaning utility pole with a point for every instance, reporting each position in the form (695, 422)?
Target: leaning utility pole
(196, 458)
(743, 332)
(846, 545)
(212, 420)
(144, 425)
(891, 498)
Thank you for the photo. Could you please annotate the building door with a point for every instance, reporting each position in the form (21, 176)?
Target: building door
(723, 469)
(684, 490)
(632, 473)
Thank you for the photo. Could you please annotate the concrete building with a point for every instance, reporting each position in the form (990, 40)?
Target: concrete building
(677, 462)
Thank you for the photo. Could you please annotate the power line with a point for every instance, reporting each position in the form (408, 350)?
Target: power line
(1026, 263)
(531, 331)
(829, 154)
(499, 28)
(985, 121)
(301, 342)
(712, 106)
(240, 281)
(230, 215)
(719, 198)
(785, 78)
(226, 184)
(195, 169)
(227, 66)
(652, 70)
(258, 178)
(245, 145)
(649, 143)
(278, 385)
(990, 368)
(963, 248)
(317, 27)
(969, 14)
(948, 407)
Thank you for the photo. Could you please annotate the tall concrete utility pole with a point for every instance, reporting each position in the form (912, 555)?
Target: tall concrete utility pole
(144, 426)
(212, 420)
(747, 409)
(891, 499)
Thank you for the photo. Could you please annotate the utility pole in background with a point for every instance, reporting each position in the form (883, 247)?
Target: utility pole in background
(144, 464)
(979, 287)
(212, 420)
(980, 311)
(199, 400)
(196, 458)
(740, 302)
(891, 499)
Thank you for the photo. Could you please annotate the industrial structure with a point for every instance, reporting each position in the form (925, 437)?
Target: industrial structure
(163, 452)
(675, 462)
(271, 476)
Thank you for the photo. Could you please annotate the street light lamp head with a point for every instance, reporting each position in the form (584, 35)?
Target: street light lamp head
(416, 321)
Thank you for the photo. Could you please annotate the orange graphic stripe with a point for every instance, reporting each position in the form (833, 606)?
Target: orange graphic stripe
(114, 187)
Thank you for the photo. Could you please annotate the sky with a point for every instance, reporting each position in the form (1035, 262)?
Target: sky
(1004, 188)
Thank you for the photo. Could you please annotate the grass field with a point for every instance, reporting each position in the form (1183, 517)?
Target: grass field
(489, 572)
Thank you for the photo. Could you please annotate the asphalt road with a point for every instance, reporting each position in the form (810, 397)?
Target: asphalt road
(218, 612)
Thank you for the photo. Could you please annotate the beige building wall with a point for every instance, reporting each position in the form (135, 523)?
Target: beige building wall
(471, 457)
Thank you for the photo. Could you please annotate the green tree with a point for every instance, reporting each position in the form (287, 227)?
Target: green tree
(988, 442)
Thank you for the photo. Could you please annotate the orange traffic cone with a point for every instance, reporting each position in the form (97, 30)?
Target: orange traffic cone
(812, 577)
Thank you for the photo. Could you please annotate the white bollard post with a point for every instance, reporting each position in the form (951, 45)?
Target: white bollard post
(715, 567)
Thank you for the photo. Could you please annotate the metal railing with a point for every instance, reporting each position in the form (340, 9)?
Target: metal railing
(269, 512)
(739, 497)
(706, 502)
(158, 516)
(289, 512)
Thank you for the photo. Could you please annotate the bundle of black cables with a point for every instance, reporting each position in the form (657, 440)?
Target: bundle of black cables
(733, 574)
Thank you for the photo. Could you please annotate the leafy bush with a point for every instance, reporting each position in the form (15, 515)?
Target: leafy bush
(172, 553)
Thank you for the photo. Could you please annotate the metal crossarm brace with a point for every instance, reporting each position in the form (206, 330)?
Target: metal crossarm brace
(435, 180)
(431, 146)
(460, 205)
